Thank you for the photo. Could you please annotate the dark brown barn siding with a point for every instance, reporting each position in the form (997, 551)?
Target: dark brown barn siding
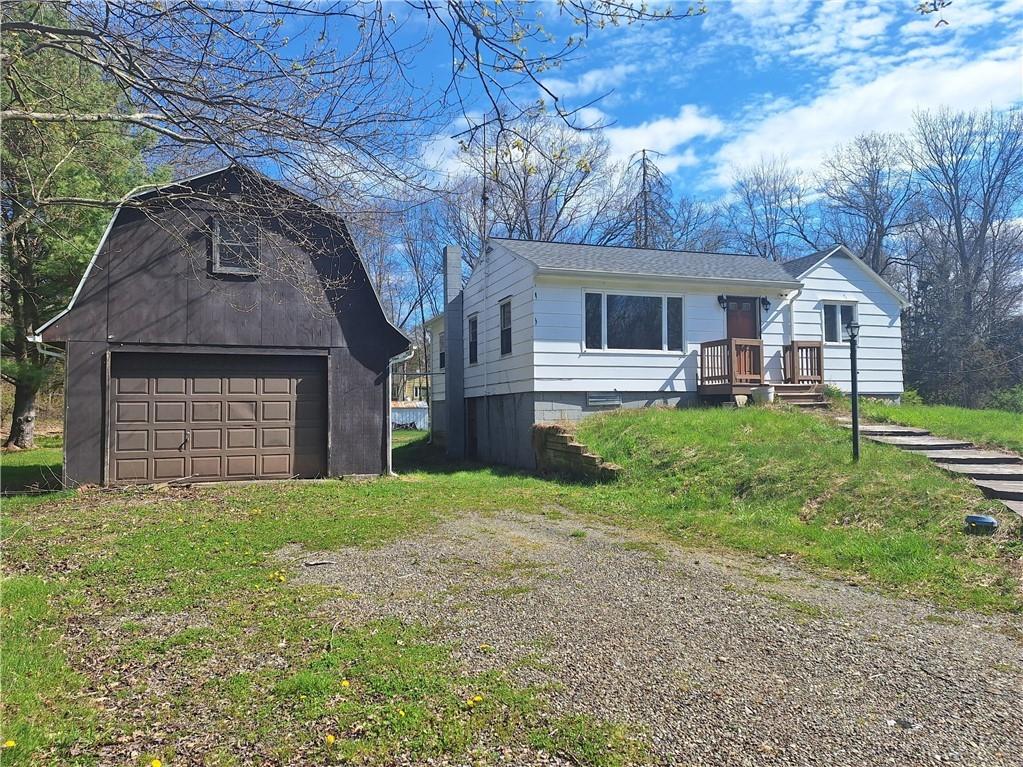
(151, 287)
(84, 445)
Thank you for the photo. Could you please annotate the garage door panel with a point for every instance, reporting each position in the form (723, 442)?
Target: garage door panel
(132, 385)
(128, 440)
(168, 439)
(207, 411)
(276, 464)
(132, 412)
(241, 385)
(171, 385)
(170, 412)
(276, 411)
(241, 466)
(207, 385)
(245, 437)
(169, 468)
(241, 411)
(131, 469)
(206, 439)
(207, 466)
(279, 436)
(213, 417)
(277, 385)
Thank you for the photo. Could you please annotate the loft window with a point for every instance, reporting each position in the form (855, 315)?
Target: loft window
(837, 318)
(235, 247)
(441, 345)
(635, 322)
(473, 340)
(506, 328)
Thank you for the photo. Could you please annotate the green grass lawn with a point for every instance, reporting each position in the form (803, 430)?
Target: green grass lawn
(991, 428)
(190, 641)
(27, 470)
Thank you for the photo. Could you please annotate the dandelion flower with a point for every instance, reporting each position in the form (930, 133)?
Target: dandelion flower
(156, 763)
(470, 702)
(9, 744)
(330, 739)
(477, 698)
(345, 684)
(401, 712)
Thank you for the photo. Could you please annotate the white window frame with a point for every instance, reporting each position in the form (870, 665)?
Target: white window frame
(474, 317)
(825, 303)
(441, 356)
(604, 348)
(500, 327)
(241, 271)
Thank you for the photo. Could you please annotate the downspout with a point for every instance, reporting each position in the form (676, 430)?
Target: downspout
(395, 360)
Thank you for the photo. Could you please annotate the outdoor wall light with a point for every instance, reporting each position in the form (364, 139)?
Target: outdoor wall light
(765, 303)
(723, 302)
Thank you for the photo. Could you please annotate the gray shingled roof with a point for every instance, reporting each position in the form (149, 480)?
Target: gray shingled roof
(644, 262)
(797, 266)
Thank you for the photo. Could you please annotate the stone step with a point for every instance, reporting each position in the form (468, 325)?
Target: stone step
(1012, 472)
(810, 405)
(974, 456)
(801, 397)
(1011, 491)
(923, 443)
(890, 430)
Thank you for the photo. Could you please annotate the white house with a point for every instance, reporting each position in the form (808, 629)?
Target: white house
(554, 331)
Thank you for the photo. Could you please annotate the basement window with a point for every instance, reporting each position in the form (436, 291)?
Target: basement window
(235, 247)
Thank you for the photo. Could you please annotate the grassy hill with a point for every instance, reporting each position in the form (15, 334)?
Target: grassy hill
(774, 482)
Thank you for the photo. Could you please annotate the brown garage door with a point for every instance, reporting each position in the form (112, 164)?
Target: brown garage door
(209, 417)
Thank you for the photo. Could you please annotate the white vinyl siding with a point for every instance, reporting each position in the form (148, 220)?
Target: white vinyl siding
(839, 280)
(501, 276)
(563, 363)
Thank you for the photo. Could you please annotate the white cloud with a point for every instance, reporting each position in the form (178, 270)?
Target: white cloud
(595, 82)
(665, 135)
(885, 102)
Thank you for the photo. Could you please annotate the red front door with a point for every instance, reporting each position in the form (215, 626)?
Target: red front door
(743, 317)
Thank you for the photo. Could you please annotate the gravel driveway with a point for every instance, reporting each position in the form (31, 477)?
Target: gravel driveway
(714, 660)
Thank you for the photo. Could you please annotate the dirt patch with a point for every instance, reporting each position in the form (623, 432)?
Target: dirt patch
(714, 660)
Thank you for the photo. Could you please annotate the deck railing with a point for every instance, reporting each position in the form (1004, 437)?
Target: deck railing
(804, 362)
(732, 361)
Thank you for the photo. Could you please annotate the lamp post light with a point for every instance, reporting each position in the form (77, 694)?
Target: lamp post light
(853, 328)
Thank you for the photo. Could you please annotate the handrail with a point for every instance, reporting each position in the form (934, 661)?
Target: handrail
(804, 362)
(732, 361)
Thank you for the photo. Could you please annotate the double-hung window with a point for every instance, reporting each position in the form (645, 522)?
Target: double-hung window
(235, 247)
(634, 322)
(473, 340)
(837, 318)
(506, 327)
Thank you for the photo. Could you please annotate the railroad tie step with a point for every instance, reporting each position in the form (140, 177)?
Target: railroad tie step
(970, 456)
(1009, 472)
(922, 443)
(1002, 490)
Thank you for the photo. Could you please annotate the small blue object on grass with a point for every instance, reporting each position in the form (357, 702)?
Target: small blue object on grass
(980, 524)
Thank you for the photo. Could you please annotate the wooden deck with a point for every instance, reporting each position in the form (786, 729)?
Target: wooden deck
(734, 366)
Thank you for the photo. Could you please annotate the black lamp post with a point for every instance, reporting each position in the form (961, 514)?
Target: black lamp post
(853, 329)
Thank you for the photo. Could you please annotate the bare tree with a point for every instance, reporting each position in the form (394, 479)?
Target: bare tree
(770, 216)
(542, 181)
(870, 190)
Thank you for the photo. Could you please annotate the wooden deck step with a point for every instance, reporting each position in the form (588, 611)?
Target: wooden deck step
(923, 443)
(1012, 472)
(1010, 491)
(975, 456)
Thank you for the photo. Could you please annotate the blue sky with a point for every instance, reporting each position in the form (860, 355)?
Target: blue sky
(789, 77)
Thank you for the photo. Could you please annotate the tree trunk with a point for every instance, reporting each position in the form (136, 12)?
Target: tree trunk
(23, 420)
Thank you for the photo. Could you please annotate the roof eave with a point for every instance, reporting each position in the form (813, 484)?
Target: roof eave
(600, 274)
